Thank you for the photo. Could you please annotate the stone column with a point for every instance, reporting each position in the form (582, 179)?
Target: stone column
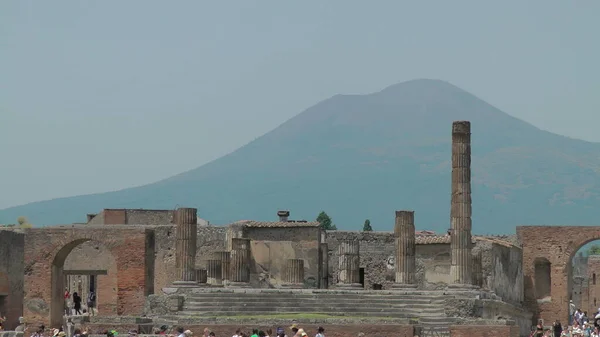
(477, 269)
(325, 265)
(225, 258)
(213, 272)
(404, 231)
(185, 255)
(349, 264)
(240, 263)
(293, 276)
(201, 276)
(460, 208)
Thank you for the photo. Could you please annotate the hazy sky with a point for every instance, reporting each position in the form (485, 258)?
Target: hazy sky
(103, 95)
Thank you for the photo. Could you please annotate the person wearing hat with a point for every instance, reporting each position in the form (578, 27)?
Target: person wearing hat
(188, 333)
(320, 332)
(295, 330)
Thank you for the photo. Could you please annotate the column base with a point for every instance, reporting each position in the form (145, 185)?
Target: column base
(403, 286)
(292, 285)
(349, 286)
(239, 285)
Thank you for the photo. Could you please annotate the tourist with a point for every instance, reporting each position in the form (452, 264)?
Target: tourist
(188, 333)
(539, 329)
(163, 330)
(301, 333)
(91, 302)
(261, 333)
(557, 327)
(39, 332)
(254, 333)
(281, 332)
(77, 303)
(320, 332)
(237, 333)
(67, 297)
(180, 331)
(294, 329)
(211, 334)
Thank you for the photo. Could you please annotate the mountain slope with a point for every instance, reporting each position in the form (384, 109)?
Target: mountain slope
(364, 156)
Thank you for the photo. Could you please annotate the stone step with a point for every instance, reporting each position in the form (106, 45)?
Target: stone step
(413, 312)
(339, 301)
(201, 315)
(322, 306)
(328, 299)
(309, 295)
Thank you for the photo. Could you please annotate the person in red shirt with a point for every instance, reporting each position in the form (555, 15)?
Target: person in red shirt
(67, 297)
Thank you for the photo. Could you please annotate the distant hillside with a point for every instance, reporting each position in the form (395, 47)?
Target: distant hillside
(365, 156)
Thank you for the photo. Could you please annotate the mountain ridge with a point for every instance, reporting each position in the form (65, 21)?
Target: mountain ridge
(364, 156)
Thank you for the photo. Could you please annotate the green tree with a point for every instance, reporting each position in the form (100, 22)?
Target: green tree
(325, 221)
(367, 226)
(594, 250)
(23, 223)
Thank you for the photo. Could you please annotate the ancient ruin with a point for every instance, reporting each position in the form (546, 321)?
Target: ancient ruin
(155, 267)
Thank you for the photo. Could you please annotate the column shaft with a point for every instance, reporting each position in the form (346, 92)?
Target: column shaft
(460, 209)
(225, 258)
(294, 272)
(325, 266)
(404, 231)
(213, 272)
(477, 269)
(240, 260)
(349, 263)
(201, 276)
(185, 258)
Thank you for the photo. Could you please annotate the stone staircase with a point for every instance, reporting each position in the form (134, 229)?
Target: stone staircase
(425, 308)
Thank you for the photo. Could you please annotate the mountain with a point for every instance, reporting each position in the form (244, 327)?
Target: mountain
(364, 156)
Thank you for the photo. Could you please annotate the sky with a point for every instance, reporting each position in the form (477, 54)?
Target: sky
(98, 96)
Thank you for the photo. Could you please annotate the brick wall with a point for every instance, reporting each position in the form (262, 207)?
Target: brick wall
(11, 276)
(115, 217)
(48, 248)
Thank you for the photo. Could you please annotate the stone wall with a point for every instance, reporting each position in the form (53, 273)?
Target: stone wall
(271, 247)
(11, 276)
(502, 270)
(377, 259)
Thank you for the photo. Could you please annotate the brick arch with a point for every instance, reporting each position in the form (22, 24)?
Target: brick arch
(45, 253)
(558, 245)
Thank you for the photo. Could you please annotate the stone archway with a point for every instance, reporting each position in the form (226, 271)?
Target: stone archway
(45, 254)
(547, 255)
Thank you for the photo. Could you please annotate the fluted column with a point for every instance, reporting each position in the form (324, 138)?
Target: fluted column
(460, 208)
(404, 231)
(293, 276)
(325, 265)
(186, 233)
(240, 262)
(213, 272)
(477, 269)
(349, 264)
(225, 258)
(201, 276)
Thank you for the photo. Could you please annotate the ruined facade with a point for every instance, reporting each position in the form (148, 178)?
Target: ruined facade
(140, 262)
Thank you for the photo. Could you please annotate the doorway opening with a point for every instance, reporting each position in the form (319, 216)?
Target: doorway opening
(361, 276)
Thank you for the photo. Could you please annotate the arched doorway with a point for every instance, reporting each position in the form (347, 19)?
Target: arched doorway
(548, 252)
(91, 266)
(48, 248)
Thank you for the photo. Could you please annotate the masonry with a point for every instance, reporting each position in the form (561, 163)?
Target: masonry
(11, 276)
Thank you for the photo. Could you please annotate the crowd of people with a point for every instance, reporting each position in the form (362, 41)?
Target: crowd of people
(580, 325)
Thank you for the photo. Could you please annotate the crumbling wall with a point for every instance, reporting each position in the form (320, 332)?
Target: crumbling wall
(502, 270)
(271, 247)
(12, 272)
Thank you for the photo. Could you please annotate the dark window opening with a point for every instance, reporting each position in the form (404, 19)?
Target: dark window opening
(362, 276)
(92, 282)
(377, 286)
(543, 278)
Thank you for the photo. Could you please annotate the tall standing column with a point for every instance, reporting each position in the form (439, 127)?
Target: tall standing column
(213, 272)
(460, 208)
(185, 257)
(225, 258)
(349, 264)
(293, 276)
(404, 230)
(240, 263)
